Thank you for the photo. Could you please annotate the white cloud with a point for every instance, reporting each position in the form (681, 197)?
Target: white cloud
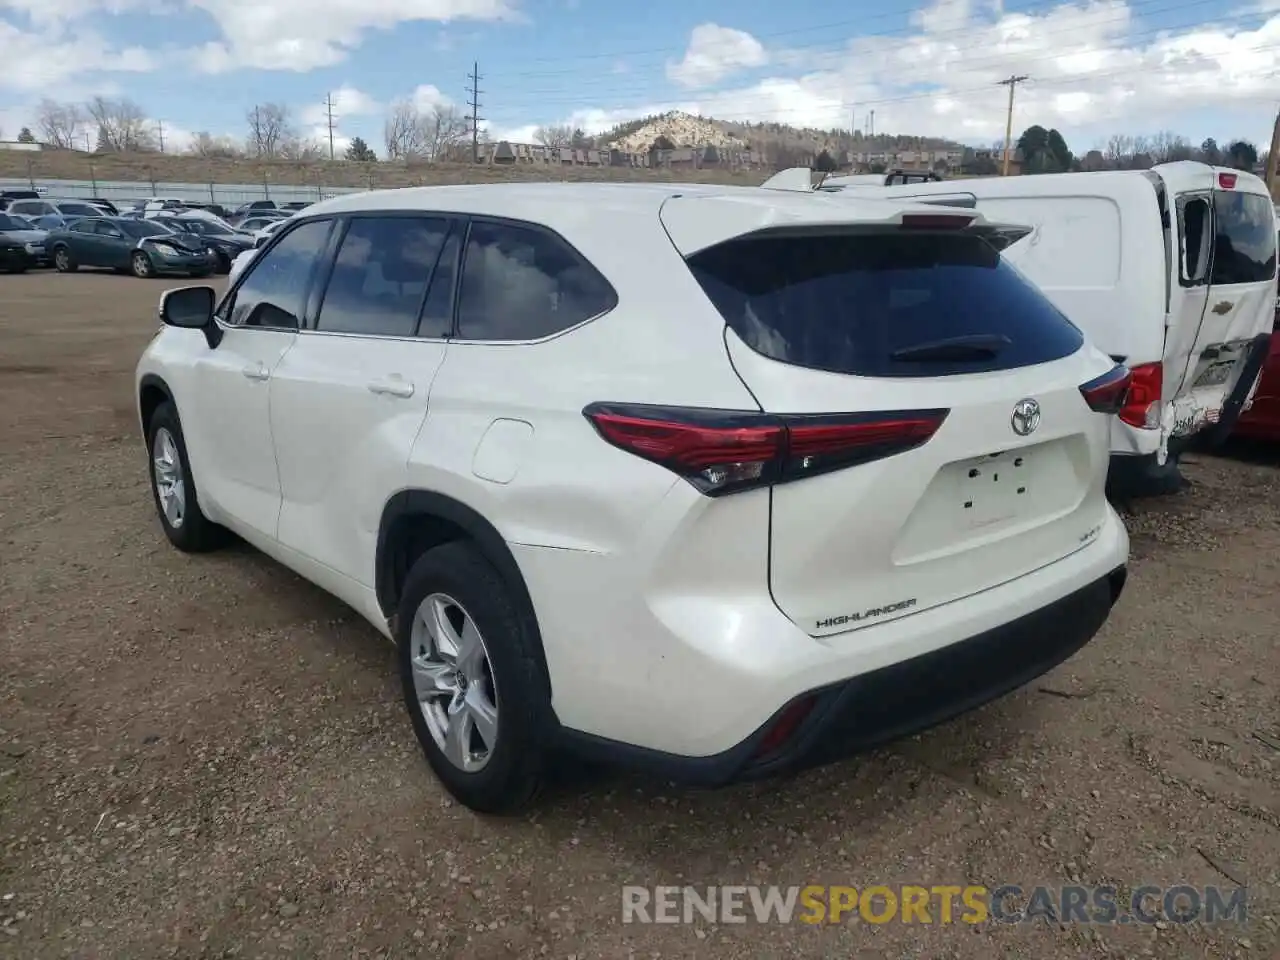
(40, 60)
(1092, 64)
(302, 35)
(715, 52)
(427, 97)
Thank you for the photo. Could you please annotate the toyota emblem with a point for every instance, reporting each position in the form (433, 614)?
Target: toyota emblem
(1026, 417)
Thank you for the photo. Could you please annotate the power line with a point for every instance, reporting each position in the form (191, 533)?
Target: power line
(1012, 83)
(474, 104)
(328, 107)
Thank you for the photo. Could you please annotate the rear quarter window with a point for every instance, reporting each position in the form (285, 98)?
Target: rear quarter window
(1244, 239)
(849, 303)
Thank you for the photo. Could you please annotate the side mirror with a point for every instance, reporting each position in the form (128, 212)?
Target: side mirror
(191, 308)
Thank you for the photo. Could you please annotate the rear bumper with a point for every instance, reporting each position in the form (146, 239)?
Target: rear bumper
(890, 703)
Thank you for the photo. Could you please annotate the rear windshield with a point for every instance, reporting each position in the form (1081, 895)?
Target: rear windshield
(849, 303)
(1244, 248)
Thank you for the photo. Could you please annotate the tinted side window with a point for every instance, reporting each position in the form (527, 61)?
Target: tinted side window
(884, 304)
(274, 290)
(380, 275)
(1244, 243)
(82, 226)
(520, 283)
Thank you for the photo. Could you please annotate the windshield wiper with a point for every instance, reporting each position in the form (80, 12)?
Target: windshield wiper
(978, 346)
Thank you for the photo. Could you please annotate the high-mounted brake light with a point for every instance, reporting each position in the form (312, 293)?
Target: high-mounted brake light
(1227, 181)
(721, 451)
(1142, 407)
(1108, 393)
(931, 221)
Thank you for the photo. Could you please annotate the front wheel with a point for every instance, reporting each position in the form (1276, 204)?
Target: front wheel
(472, 682)
(174, 489)
(141, 265)
(62, 261)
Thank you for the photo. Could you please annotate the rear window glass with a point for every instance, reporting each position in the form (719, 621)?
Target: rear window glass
(1244, 246)
(883, 304)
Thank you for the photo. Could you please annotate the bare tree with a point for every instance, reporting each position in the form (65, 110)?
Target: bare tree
(60, 123)
(122, 124)
(295, 148)
(270, 129)
(410, 134)
(444, 129)
(554, 136)
(402, 132)
(205, 144)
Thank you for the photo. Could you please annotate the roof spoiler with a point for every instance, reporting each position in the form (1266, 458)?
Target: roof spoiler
(792, 180)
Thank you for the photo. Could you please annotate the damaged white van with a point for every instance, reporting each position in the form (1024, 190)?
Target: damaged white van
(1170, 270)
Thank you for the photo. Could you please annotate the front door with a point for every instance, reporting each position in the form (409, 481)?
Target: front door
(348, 400)
(230, 439)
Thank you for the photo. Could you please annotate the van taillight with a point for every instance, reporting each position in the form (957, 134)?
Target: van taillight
(1227, 181)
(723, 451)
(1142, 407)
(1108, 393)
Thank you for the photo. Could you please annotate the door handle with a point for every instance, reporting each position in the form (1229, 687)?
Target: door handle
(392, 387)
(256, 371)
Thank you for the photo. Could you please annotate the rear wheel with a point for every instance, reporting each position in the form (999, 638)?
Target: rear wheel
(140, 263)
(472, 682)
(62, 261)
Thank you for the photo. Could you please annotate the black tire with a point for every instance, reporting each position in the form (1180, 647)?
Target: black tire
(140, 265)
(194, 533)
(514, 775)
(224, 263)
(62, 261)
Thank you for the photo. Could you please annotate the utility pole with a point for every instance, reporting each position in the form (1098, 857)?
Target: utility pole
(474, 104)
(160, 131)
(1011, 83)
(328, 107)
(872, 121)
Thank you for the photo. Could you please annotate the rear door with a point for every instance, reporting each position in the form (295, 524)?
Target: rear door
(909, 324)
(1189, 204)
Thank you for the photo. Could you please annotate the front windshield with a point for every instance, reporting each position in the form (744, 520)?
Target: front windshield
(12, 223)
(143, 228)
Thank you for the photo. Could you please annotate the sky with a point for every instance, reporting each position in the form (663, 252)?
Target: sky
(1199, 68)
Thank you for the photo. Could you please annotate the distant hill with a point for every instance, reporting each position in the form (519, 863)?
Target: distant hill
(771, 140)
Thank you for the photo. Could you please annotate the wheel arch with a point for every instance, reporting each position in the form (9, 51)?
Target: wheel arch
(152, 391)
(414, 521)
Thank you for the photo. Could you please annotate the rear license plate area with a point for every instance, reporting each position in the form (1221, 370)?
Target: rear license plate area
(994, 488)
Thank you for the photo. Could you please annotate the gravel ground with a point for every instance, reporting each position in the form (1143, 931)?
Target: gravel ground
(207, 757)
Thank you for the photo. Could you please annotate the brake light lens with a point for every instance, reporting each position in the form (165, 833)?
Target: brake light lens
(1142, 407)
(930, 221)
(723, 451)
(1108, 393)
(1227, 181)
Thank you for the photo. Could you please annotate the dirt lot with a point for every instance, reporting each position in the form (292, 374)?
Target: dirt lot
(207, 757)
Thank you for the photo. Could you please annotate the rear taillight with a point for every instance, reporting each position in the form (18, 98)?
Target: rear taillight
(722, 451)
(1142, 407)
(1227, 181)
(1108, 393)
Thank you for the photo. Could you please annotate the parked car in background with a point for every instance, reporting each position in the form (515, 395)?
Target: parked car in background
(53, 221)
(46, 207)
(14, 256)
(238, 220)
(256, 224)
(7, 197)
(25, 232)
(1170, 270)
(1262, 420)
(141, 247)
(226, 243)
(696, 477)
(107, 205)
(293, 206)
(255, 206)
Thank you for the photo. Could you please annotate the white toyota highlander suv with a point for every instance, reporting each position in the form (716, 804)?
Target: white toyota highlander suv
(712, 481)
